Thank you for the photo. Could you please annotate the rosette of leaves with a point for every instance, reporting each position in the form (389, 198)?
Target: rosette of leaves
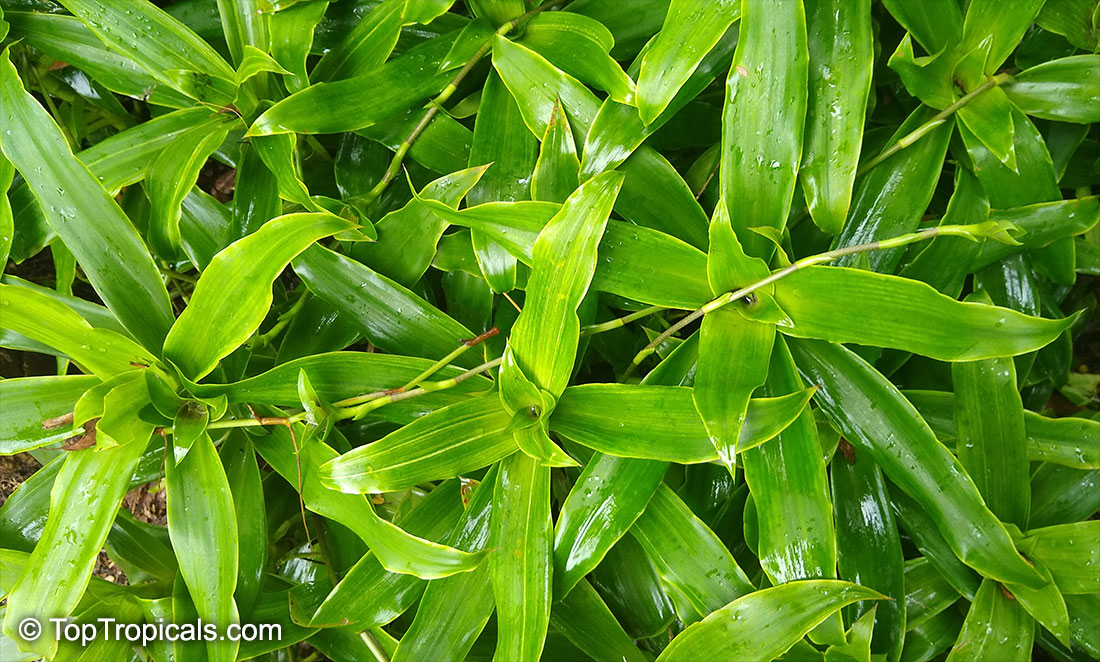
(564, 330)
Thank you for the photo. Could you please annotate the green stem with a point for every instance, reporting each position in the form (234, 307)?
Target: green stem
(374, 646)
(969, 231)
(253, 422)
(931, 124)
(284, 319)
(39, 79)
(360, 405)
(593, 329)
(435, 104)
(446, 360)
(389, 397)
(326, 557)
(176, 275)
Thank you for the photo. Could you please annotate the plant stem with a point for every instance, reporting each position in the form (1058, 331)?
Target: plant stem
(969, 231)
(39, 78)
(437, 103)
(386, 398)
(187, 278)
(593, 329)
(360, 405)
(446, 360)
(374, 646)
(931, 124)
(284, 319)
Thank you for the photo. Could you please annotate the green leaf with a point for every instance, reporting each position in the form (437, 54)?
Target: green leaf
(852, 305)
(927, 593)
(723, 387)
(690, 30)
(618, 129)
(934, 24)
(243, 475)
(660, 422)
(1068, 551)
(154, 39)
(188, 425)
(890, 199)
(341, 375)
(634, 262)
(369, 595)
(396, 549)
(143, 550)
(393, 318)
(992, 446)
(1033, 180)
(1062, 90)
(871, 414)
(996, 627)
(256, 62)
(922, 530)
(66, 39)
(451, 441)
(1056, 440)
(933, 637)
(125, 277)
(30, 401)
(1082, 614)
(170, 178)
(291, 35)
(407, 237)
(213, 325)
(23, 515)
(425, 12)
(650, 267)
(530, 408)
(365, 48)
(474, 36)
(7, 224)
(556, 171)
(628, 582)
(279, 155)
(579, 46)
(1042, 224)
(764, 624)
(497, 11)
(841, 57)
(202, 519)
(520, 564)
(544, 338)
(1045, 604)
(689, 557)
(584, 618)
(586, 528)
(763, 118)
(787, 479)
(124, 158)
(439, 631)
(83, 502)
(500, 139)
(44, 319)
(538, 86)
(244, 24)
(989, 118)
(255, 197)
(1073, 19)
(363, 101)
(869, 547)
